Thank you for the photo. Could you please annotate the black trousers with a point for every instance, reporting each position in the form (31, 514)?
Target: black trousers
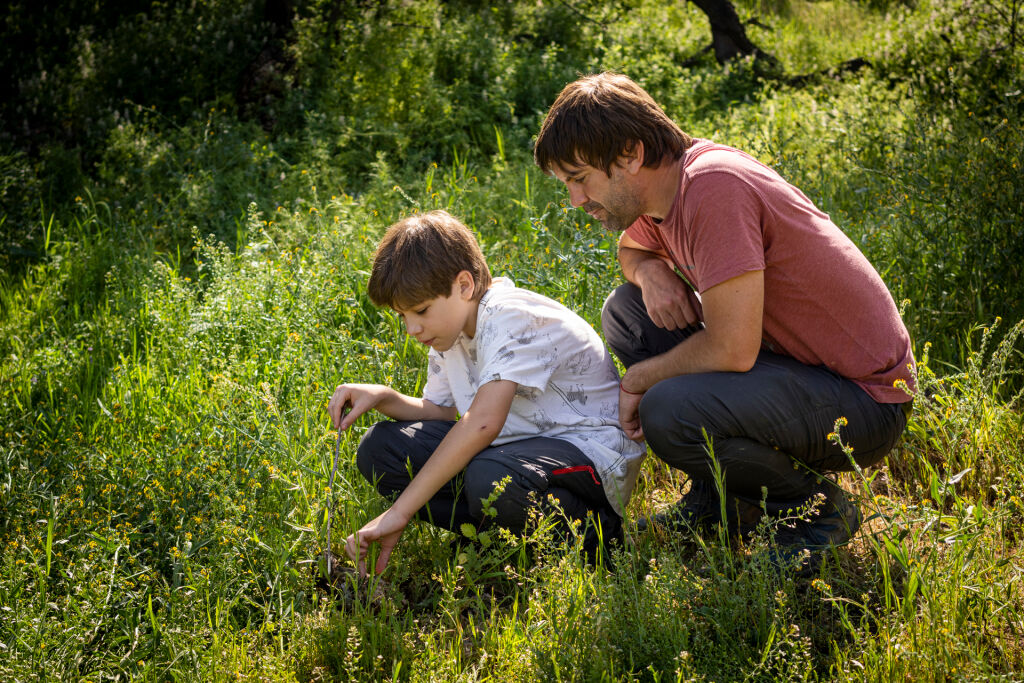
(762, 424)
(391, 453)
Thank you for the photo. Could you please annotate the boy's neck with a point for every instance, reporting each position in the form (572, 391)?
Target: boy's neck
(469, 329)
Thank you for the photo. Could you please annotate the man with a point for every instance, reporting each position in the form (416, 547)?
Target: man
(749, 324)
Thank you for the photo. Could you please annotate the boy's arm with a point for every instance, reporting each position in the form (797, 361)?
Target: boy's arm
(360, 398)
(479, 426)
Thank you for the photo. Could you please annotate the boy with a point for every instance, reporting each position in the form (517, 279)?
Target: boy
(535, 387)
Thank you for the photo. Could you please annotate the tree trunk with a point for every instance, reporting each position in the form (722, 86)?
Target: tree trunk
(262, 81)
(728, 37)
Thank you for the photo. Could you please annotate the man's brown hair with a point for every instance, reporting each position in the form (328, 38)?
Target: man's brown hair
(419, 258)
(600, 116)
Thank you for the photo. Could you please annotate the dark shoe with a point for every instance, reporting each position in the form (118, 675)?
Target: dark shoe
(802, 543)
(698, 509)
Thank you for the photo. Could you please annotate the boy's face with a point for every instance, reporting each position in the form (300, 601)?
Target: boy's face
(438, 322)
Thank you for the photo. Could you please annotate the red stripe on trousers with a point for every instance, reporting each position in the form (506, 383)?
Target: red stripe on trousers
(578, 468)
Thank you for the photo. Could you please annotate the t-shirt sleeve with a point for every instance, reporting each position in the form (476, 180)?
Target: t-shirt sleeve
(521, 347)
(645, 233)
(437, 389)
(725, 218)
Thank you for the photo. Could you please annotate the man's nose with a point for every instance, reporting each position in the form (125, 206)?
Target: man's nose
(577, 197)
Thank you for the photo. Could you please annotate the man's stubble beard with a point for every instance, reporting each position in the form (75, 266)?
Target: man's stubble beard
(621, 210)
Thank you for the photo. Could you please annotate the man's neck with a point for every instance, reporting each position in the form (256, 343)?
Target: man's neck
(659, 186)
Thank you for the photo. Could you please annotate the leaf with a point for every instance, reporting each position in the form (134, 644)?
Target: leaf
(957, 477)
(897, 552)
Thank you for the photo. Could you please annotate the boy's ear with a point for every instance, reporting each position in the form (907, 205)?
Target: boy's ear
(466, 284)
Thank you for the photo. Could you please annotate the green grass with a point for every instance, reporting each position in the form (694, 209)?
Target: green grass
(167, 354)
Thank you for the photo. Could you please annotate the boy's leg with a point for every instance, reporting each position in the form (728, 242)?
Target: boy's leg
(535, 469)
(391, 453)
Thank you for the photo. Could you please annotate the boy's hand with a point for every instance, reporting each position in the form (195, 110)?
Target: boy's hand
(358, 398)
(386, 530)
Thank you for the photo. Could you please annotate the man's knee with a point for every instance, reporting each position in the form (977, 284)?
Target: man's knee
(619, 307)
(620, 302)
(674, 426)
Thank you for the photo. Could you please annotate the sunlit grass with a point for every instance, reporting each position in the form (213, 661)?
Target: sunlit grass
(165, 451)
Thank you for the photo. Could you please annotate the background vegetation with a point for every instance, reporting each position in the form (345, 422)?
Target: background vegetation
(189, 197)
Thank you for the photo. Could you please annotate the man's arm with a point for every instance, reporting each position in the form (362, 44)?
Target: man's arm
(668, 299)
(729, 342)
(479, 426)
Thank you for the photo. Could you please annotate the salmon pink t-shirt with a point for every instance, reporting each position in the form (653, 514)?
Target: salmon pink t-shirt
(824, 303)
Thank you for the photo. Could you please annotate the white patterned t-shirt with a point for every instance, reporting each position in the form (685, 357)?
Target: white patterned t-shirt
(568, 385)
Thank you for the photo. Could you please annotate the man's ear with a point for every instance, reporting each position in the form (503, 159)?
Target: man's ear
(631, 159)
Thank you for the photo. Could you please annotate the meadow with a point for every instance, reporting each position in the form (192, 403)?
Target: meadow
(182, 285)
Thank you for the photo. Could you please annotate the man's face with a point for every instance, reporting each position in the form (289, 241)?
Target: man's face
(438, 322)
(607, 198)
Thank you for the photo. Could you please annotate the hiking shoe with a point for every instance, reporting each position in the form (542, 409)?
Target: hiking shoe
(697, 509)
(803, 543)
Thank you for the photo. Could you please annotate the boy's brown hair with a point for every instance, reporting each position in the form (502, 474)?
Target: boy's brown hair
(600, 116)
(419, 258)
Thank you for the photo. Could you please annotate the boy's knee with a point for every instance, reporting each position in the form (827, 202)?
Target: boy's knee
(481, 479)
(376, 442)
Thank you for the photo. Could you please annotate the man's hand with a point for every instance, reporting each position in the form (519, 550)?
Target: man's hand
(666, 296)
(358, 398)
(629, 414)
(670, 302)
(386, 530)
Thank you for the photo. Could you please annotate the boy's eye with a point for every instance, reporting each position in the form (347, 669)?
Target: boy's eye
(422, 310)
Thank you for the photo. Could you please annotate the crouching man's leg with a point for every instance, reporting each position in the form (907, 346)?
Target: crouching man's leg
(530, 470)
(630, 333)
(768, 429)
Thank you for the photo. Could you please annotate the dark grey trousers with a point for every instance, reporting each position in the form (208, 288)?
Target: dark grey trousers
(391, 453)
(768, 427)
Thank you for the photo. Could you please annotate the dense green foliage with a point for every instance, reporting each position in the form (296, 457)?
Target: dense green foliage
(182, 284)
